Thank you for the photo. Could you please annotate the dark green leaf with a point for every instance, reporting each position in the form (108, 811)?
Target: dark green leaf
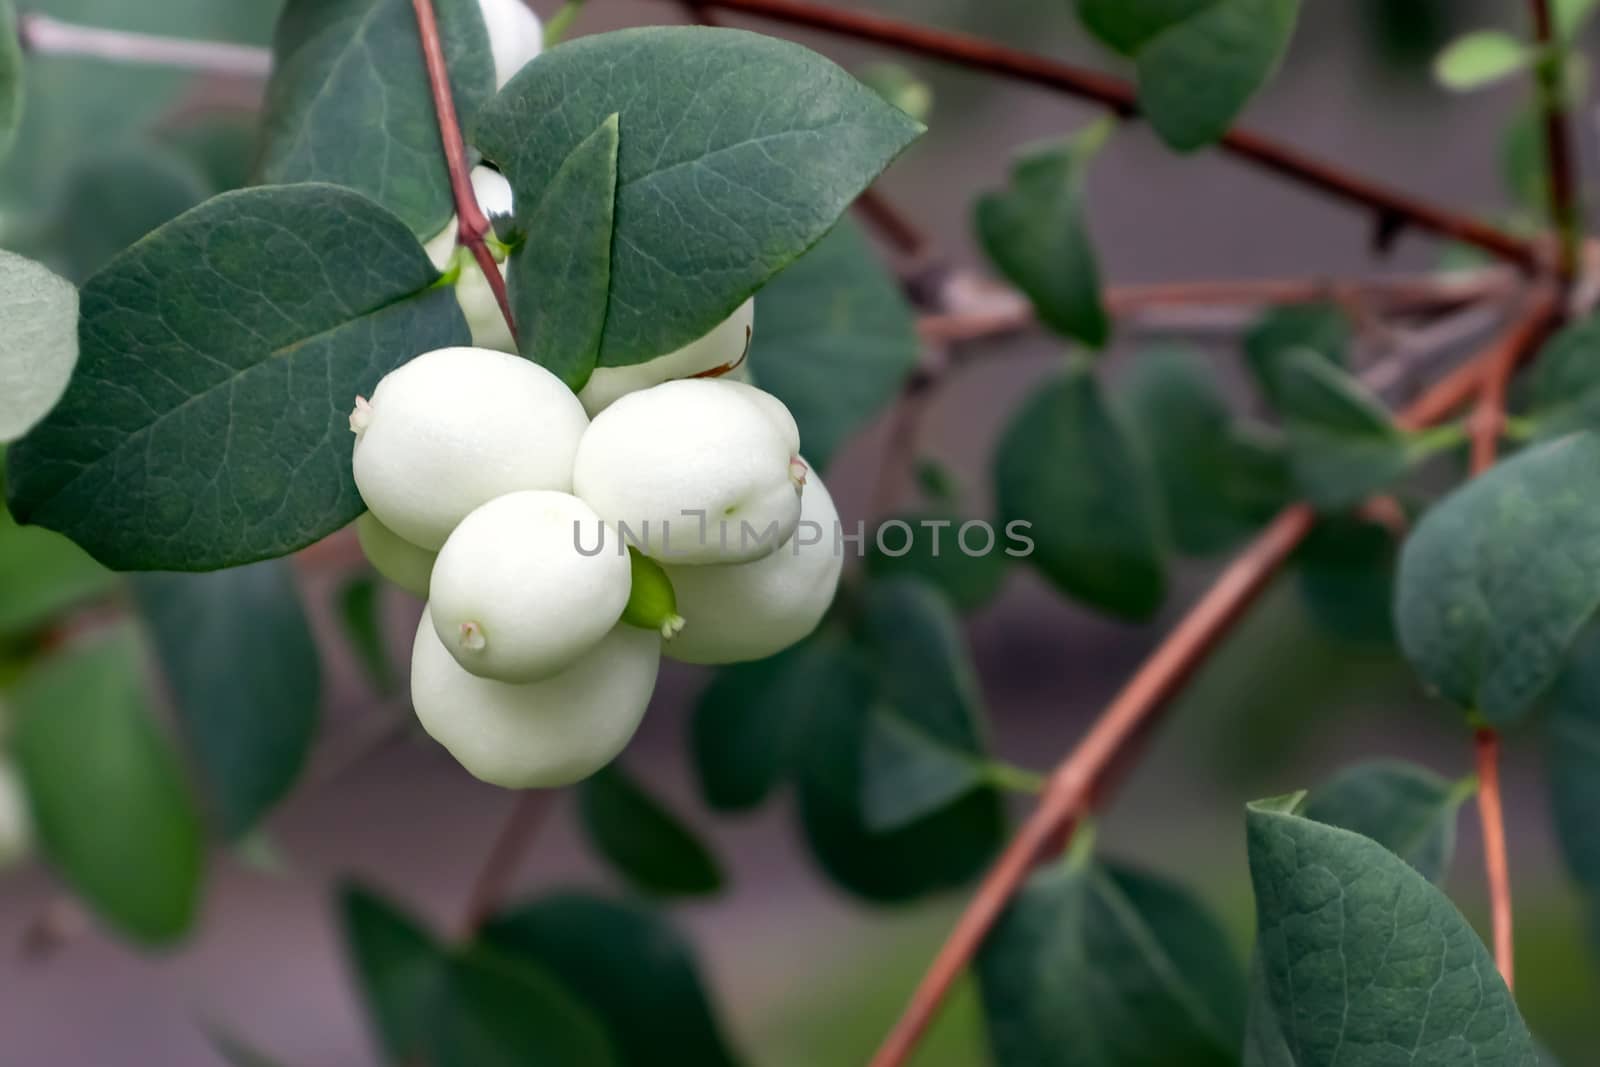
(470, 1007)
(644, 841)
(1574, 761)
(1068, 466)
(1405, 808)
(39, 345)
(721, 181)
(907, 774)
(349, 101)
(1565, 389)
(628, 966)
(1037, 234)
(221, 146)
(361, 621)
(1219, 480)
(1111, 968)
(109, 802)
(1365, 961)
(834, 340)
(1128, 25)
(1323, 328)
(245, 678)
(1343, 445)
(12, 83)
(1346, 569)
(206, 428)
(1197, 75)
(1498, 579)
(932, 547)
(560, 276)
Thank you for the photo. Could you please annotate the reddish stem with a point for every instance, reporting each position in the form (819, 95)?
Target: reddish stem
(1494, 849)
(472, 225)
(499, 869)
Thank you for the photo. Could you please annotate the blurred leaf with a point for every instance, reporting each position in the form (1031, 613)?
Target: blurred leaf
(42, 574)
(1522, 161)
(1405, 808)
(1564, 392)
(721, 182)
(1498, 578)
(1408, 32)
(560, 275)
(1573, 758)
(39, 346)
(12, 81)
(1343, 444)
(112, 811)
(901, 87)
(907, 774)
(1037, 233)
(646, 843)
(245, 677)
(1345, 568)
(1323, 328)
(626, 964)
(834, 339)
(113, 197)
(1481, 58)
(1125, 26)
(349, 101)
(1220, 482)
(466, 1007)
(219, 438)
(1068, 466)
(361, 621)
(236, 1051)
(935, 554)
(1570, 16)
(1363, 959)
(222, 146)
(1122, 963)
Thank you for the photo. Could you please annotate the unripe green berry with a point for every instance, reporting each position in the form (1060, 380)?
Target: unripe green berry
(392, 556)
(651, 604)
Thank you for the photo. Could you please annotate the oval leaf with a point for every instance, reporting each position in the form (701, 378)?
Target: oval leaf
(206, 426)
(645, 842)
(39, 346)
(1343, 445)
(1405, 808)
(11, 76)
(1480, 59)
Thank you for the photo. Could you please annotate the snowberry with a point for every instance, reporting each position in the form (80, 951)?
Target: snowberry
(724, 346)
(519, 592)
(392, 556)
(16, 825)
(454, 429)
(694, 471)
(515, 36)
(539, 734)
(478, 305)
(745, 611)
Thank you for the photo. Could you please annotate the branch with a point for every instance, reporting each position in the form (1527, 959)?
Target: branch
(1121, 98)
(1518, 343)
(1560, 160)
(472, 225)
(494, 879)
(1490, 813)
(46, 36)
(1073, 785)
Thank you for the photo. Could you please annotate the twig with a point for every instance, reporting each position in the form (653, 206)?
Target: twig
(1121, 98)
(500, 867)
(1516, 344)
(1559, 157)
(1072, 787)
(46, 36)
(473, 225)
(1490, 813)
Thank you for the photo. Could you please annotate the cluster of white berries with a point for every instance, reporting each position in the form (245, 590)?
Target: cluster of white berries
(561, 557)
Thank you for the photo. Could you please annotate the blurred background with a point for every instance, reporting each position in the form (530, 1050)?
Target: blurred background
(804, 974)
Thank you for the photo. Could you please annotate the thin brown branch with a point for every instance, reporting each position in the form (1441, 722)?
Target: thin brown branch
(1492, 816)
(473, 225)
(1560, 159)
(46, 36)
(499, 871)
(892, 224)
(1121, 98)
(1516, 344)
(1073, 786)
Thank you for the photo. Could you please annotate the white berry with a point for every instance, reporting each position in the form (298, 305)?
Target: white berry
(515, 36)
(392, 556)
(745, 611)
(520, 590)
(725, 346)
(694, 471)
(478, 304)
(541, 734)
(456, 428)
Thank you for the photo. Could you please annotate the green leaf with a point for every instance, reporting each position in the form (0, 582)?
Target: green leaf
(1564, 391)
(1323, 328)
(721, 181)
(1197, 75)
(1069, 467)
(1405, 808)
(1365, 961)
(901, 87)
(1498, 579)
(1219, 480)
(560, 276)
(626, 964)
(834, 340)
(1571, 15)
(349, 101)
(1481, 58)
(245, 678)
(1037, 233)
(112, 811)
(1346, 569)
(469, 1007)
(1573, 746)
(1125, 26)
(208, 429)
(12, 82)
(907, 774)
(1109, 967)
(39, 346)
(930, 547)
(42, 575)
(360, 620)
(646, 843)
(1343, 445)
